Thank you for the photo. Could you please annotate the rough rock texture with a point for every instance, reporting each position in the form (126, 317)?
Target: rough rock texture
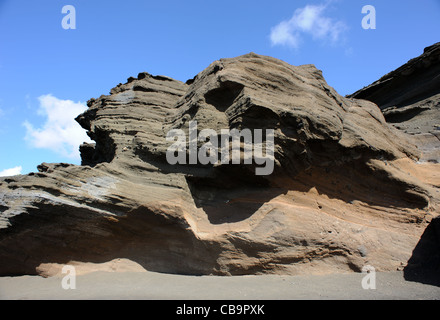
(409, 98)
(346, 190)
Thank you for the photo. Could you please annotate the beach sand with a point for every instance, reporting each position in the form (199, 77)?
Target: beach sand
(157, 286)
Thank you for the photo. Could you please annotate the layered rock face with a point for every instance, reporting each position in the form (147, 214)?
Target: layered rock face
(409, 98)
(345, 191)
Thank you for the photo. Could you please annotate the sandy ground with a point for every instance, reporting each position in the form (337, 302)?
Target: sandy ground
(150, 285)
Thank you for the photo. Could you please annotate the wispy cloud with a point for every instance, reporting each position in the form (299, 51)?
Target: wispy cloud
(60, 133)
(11, 172)
(308, 21)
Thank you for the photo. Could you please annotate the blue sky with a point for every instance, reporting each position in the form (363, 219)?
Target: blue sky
(48, 73)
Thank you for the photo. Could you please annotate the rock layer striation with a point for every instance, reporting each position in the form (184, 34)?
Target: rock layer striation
(346, 190)
(409, 98)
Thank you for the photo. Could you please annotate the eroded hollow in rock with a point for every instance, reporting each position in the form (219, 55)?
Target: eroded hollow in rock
(223, 97)
(229, 203)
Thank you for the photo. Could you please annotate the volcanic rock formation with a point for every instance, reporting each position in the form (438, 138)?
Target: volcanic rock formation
(409, 98)
(346, 190)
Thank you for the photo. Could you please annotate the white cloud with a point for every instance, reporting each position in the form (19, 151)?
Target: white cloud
(11, 172)
(60, 133)
(309, 20)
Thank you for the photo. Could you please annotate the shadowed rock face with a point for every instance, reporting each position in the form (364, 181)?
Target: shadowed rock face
(346, 190)
(409, 98)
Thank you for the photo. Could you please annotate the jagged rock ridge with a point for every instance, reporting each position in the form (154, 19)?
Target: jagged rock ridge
(346, 190)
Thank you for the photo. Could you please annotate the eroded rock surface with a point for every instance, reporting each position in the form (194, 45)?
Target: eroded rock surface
(346, 189)
(409, 98)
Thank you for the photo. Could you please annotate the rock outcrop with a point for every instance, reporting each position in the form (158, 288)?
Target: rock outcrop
(346, 189)
(409, 98)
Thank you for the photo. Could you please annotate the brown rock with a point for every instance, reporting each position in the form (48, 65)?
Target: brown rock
(346, 190)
